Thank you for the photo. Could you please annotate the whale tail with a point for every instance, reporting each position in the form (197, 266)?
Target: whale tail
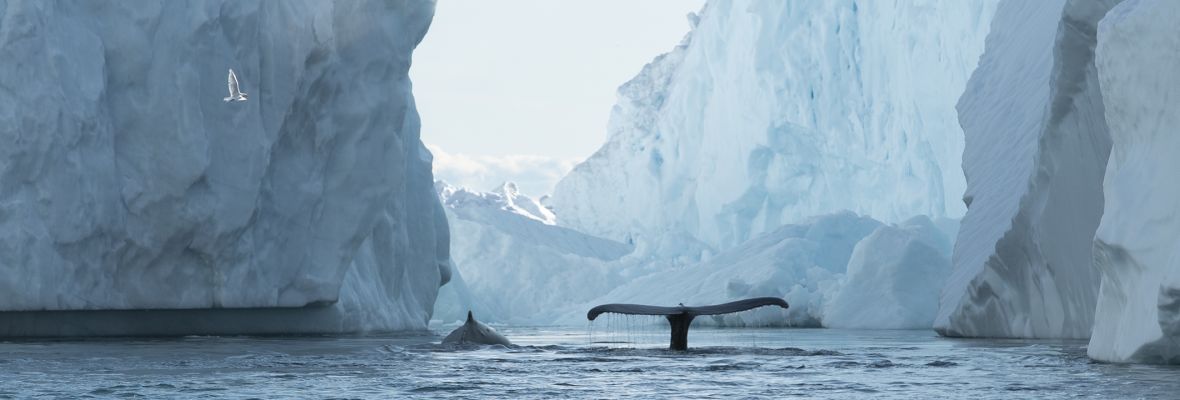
(680, 317)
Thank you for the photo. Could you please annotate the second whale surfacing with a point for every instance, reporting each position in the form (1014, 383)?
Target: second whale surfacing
(476, 332)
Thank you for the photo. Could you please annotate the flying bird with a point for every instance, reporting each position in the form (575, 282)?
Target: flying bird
(234, 93)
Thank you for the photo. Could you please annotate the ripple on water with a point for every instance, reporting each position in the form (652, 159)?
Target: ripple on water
(593, 359)
(941, 363)
(1016, 387)
(825, 364)
(442, 388)
(701, 351)
(730, 365)
(102, 391)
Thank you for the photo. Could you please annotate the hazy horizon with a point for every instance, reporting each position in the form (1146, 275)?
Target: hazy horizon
(492, 81)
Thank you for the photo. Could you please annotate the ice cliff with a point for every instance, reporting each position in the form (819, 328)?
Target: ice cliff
(772, 112)
(126, 183)
(1136, 252)
(1036, 149)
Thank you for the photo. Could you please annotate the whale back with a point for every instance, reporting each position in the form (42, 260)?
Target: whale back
(473, 331)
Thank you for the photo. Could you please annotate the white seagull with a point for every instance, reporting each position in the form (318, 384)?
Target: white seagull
(234, 93)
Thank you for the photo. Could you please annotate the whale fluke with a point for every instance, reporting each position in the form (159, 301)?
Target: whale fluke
(680, 317)
(716, 309)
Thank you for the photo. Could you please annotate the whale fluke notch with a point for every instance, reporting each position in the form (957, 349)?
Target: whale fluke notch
(681, 316)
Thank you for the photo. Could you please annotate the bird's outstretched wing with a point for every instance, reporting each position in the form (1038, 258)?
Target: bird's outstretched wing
(233, 84)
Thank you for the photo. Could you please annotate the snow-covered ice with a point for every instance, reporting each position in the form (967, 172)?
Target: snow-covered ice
(1138, 313)
(771, 112)
(514, 264)
(1036, 148)
(126, 182)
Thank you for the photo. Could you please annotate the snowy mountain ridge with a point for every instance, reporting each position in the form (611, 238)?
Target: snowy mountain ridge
(513, 264)
(505, 197)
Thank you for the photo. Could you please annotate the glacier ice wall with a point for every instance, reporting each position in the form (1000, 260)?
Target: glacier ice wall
(1036, 149)
(771, 112)
(517, 266)
(126, 182)
(1138, 314)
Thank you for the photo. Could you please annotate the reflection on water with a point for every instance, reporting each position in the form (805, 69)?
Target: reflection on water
(571, 362)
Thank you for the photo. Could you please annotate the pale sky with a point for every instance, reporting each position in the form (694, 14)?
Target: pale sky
(522, 89)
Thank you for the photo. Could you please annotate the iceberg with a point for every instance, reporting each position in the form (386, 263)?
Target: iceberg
(516, 265)
(893, 279)
(1137, 318)
(797, 262)
(837, 270)
(769, 113)
(127, 184)
(1036, 150)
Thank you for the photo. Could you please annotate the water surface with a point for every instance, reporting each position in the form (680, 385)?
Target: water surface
(626, 362)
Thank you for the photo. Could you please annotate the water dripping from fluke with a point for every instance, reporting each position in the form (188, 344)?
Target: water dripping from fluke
(680, 318)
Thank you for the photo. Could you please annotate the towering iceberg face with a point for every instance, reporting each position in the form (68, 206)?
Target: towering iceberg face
(771, 112)
(1138, 313)
(127, 183)
(1036, 149)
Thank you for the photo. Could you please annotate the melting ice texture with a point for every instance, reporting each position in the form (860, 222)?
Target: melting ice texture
(126, 183)
(772, 112)
(1138, 307)
(1037, 145)
(1070, 230)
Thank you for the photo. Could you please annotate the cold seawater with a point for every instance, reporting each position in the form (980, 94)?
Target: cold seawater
(563, 363)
